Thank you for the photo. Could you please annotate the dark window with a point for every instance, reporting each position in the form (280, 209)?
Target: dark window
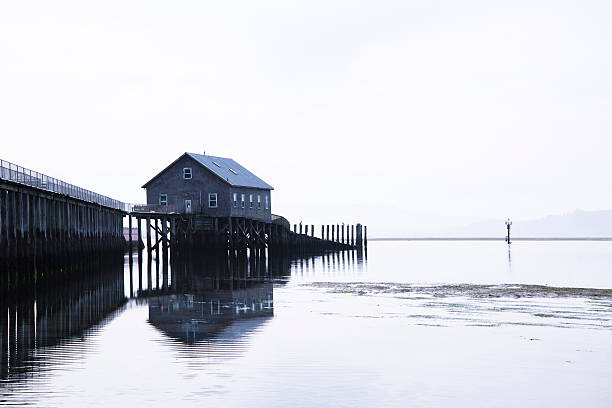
(258, 201)
(212, 200)
(250, 200)
(242, 200)
(235, 200)
(163, 199)
(187, 173)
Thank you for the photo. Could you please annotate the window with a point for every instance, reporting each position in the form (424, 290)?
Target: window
(242, 200)
(250, 200)
(267, 202)
(163, 199)
(187, 173)
(258, 201)
(235, 200)
(212, 200)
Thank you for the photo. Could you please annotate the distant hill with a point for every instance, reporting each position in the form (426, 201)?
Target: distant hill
(578, 224)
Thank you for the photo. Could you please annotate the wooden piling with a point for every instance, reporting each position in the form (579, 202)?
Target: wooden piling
(148, 221)
(156, 238)
(140, 244)
(130, 232)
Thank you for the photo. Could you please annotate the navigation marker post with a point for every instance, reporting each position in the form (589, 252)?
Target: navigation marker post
(508, 225)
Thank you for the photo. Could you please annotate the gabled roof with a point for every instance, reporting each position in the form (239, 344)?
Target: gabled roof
(226, 169)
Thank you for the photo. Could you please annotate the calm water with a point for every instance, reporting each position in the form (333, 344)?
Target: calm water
(410, 324)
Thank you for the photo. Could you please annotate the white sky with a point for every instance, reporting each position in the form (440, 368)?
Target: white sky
(406, 116)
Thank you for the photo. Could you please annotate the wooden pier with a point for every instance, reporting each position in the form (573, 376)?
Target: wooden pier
(205, 233)
(43, 216)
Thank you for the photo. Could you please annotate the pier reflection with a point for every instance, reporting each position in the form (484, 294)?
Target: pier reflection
(69, 300)
(220, 298)
(203, 306)
(216, 296)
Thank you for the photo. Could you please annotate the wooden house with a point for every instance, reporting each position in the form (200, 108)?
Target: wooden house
(209, 185)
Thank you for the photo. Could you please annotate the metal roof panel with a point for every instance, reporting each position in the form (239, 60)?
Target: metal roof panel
(230, 171)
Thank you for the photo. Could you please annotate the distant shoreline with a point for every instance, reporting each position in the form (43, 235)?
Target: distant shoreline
(493, 239)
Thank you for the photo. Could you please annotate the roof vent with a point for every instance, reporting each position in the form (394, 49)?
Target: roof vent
(216, 164)
(234, 171)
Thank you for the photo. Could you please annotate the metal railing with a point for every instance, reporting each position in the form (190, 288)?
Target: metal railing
(158, 208)
(21, 175)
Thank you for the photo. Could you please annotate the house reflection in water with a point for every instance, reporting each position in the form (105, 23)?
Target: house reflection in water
(216, 297)
(199, 316)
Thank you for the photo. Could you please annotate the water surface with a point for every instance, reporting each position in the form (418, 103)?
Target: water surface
(407, 324)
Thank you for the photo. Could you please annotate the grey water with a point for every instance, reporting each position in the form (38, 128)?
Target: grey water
(406, 324)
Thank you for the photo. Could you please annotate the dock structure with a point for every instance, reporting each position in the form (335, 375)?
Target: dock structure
(198, 202)
(203, 201)
(197, 232)
(41, 215)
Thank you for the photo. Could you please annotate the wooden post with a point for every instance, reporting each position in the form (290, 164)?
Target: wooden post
(156, 238)
(138, 219)
(312, 230)
(342, 241)
(130, 232)
(365, 236)
(333, 235)
(21, 229)
(148, 221)
(165, 252)
(322, 232)
(359, 236)
(306, 227)
(352, 235)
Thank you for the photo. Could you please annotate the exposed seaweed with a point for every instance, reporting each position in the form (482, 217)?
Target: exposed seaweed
(468, 290)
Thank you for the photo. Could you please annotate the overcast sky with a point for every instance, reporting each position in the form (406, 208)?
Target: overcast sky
(407, 116)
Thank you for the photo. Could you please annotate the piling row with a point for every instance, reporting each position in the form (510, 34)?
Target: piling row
(35, 223)
(338, 236)
(215, 234)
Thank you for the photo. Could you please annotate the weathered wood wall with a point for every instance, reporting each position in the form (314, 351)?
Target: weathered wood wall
(35, 222)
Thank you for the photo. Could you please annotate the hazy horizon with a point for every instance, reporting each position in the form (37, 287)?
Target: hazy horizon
(404, 116)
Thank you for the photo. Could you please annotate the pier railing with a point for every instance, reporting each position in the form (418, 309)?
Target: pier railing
(157, 208)
(17, 174)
